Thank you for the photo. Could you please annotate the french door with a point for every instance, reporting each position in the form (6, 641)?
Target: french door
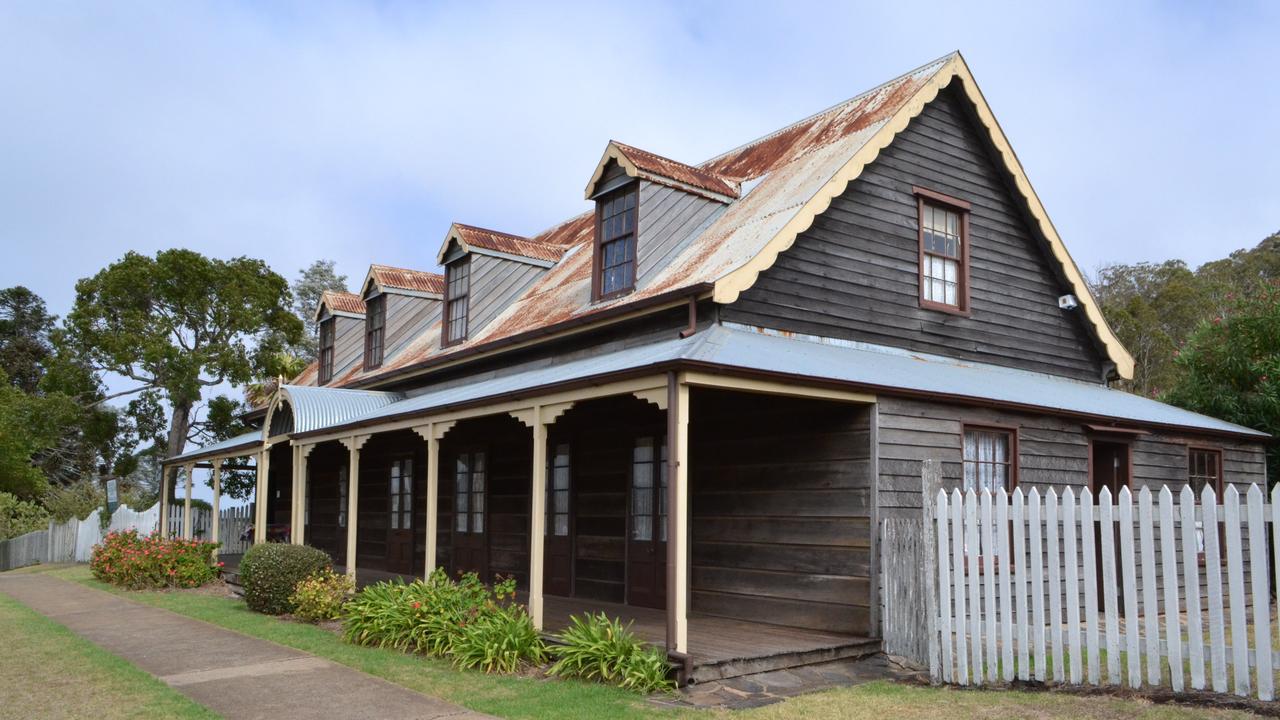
(557, 575)
(1108, 468)
(647, 524)
(400, 525)
(470, 543)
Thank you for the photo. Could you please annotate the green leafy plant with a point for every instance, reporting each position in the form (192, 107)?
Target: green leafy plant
(600, 648)
(475, 625)
(271, 572)
(500, 640)
(132, 561)
(19, 517)
(320, 597)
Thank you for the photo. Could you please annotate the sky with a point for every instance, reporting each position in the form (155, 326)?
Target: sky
(358, 132)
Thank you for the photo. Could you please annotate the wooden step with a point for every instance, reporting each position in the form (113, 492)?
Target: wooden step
(737, 667)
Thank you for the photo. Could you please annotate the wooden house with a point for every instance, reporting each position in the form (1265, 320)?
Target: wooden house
(693, 403)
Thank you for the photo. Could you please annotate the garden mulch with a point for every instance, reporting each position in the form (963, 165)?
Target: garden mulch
(234, 675)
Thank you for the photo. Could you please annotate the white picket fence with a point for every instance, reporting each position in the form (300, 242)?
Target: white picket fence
(200, 522)
(73, 540)
(232, 523)
(1013, 588)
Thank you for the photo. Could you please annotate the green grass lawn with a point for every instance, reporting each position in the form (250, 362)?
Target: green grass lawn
(46, 671)
(523, 697)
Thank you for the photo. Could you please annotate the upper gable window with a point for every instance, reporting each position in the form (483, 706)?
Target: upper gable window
(456, 295)
(615, 253)
(326, 350)
(375, 323)
(944, 252)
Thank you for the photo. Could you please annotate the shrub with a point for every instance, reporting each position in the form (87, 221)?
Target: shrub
(76, 500)
(130, 560)
(320, 597)
(499, 641)
(270, 572)
(596, 647)
(19, 517)
(474, 625)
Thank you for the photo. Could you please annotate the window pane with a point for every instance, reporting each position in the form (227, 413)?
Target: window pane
(460, 524)
(477, 482)
(477, 522)
(562, 525)
(460, 503)
(561, 501)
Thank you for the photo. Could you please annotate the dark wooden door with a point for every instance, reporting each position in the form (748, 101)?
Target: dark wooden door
(647, 525)
(557, 576)
(400, 517)
(1109, 468)
(470, 541)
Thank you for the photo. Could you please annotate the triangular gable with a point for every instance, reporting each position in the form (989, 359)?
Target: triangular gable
(639, 163)
(468, 239)
(339, 303)
(383, 278)
(730, 285)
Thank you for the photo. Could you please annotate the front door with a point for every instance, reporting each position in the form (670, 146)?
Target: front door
(647, 525)
(400, 527)
(1109, 468)
(470, 544)
(557, 576)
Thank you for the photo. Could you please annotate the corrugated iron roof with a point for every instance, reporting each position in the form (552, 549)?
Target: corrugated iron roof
(508, 243)
(878, 368)
(320, 407)
(240, 444)
(664, 170)
(405, 279)
(346, 302)
(786, 170)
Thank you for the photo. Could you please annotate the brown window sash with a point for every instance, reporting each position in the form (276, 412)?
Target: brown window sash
(926, 198)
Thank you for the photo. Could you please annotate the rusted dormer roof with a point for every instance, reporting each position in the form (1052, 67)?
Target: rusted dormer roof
(665, 171)
(340, 303)
(471, 238)
(395, 278)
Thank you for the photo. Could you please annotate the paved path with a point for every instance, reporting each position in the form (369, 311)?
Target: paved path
(234, 675)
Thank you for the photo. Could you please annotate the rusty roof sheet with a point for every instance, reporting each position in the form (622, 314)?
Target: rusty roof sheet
(508, 243)
(405, 279)
(342, 302)
(662, 169)
(785, 169)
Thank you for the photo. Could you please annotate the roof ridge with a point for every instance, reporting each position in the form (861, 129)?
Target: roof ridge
(650, 153)
(842, 104)
(493, 232)
(403, 269)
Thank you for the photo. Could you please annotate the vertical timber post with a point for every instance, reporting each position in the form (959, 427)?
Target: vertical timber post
(353, 443)
(930, 483)
(538, 518)
(215, 522)
(678, 512)
(186, 504)
(260, 495)
(432, 432)
(164, 502)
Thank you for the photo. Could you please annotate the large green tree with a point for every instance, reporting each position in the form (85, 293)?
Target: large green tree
(25, 347)
(180, 323)
(1230, 368)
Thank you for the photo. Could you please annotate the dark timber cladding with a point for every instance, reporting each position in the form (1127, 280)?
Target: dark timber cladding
(854, 273)
(781, 502)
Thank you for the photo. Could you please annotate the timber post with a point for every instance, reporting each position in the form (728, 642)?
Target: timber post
(186, 504)
(678, 506)
(215, 531)
(930, 484)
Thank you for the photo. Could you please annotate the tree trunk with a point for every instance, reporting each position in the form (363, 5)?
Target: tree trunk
(179, 426)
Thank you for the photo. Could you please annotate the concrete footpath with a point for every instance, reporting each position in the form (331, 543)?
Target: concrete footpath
(234, 675)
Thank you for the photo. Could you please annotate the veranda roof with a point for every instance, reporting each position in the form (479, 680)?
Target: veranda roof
(246, 442)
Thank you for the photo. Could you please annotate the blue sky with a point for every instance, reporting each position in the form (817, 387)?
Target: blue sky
(359, 131)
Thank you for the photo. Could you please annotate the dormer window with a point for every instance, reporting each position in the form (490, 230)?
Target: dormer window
(375, 322)
(456, 292)
(615, 253)
(326, 350)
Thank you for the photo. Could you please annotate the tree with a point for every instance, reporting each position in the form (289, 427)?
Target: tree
(30, 425)
(25, 324)
(311, 284)
(179, 323)
(1230, 368)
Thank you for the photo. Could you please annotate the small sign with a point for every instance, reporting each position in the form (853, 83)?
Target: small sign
(113, 495)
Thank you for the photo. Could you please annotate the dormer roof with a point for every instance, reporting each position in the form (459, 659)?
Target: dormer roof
(470, 239)
(384, 277)
(639, 163)
(340, 303)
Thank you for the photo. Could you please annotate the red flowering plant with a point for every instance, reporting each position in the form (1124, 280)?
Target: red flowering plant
(138, 562)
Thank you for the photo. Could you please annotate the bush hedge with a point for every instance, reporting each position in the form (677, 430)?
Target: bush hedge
(130, 560)
(270, 573)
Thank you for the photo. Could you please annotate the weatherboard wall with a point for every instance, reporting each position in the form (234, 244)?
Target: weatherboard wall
(854, 274)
